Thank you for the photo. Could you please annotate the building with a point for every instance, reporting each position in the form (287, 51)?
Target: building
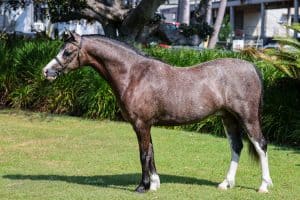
(251, 19)
(33, 18)
(261, 18)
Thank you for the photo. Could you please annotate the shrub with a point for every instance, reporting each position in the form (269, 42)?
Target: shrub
(4, 76)
(187, 57)
(281, 118)
(23, 86)
(202, 29)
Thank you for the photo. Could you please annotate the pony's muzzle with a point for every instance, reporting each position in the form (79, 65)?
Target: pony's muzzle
(50, 74)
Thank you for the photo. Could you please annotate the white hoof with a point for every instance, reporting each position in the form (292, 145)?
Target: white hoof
(263, 190)
(226, 184)
(222, 186)
(265, 185)
(154, 182)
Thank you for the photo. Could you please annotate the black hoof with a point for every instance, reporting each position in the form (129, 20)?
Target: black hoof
(142, 188)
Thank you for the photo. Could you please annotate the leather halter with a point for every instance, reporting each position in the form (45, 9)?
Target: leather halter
(78, 52)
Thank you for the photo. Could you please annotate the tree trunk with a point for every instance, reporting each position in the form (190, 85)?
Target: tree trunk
(110, 30)
(214, 38)
(184, 12)
(134, 23)
(200, 12)
(209, 12)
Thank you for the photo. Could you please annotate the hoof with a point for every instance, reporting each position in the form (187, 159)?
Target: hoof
(265, 185)
(262, 190)
(142, 188)
(222, 186)
(226, 184)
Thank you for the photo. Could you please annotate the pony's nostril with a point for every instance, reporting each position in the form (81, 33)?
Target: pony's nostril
(45, 72)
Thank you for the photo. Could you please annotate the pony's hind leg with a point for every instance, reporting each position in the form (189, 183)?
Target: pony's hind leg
(260, 144)
(233, 132)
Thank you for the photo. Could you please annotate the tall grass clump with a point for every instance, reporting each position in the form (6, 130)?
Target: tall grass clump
(28, 59)
(23, 86)
(281, 119)
(4, 76)
(187, 57)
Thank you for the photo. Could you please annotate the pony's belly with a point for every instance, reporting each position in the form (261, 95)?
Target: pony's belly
(179, 119)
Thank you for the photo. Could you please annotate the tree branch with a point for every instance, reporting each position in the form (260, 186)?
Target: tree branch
(103, 11)
(139, 16)
(110, 13)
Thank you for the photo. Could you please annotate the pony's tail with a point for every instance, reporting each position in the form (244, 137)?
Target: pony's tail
(251, 148)
(252, 152)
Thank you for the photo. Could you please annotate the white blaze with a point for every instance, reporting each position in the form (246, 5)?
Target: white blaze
(49, 66)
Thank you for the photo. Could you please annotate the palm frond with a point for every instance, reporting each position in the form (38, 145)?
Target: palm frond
(295, 27)
(288, 41)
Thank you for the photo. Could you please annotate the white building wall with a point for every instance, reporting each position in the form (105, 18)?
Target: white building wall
(275, 23)
(82, 27)
(252, 22)
(15, 20)
(22, 21)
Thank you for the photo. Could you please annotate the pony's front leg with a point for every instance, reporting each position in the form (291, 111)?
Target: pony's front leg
(154, 178)
(150, 179)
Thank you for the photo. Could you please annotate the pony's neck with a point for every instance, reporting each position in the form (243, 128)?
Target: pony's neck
(112, 60)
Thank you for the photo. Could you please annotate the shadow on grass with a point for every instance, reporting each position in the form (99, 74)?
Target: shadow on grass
(294, 150)
(112, 181)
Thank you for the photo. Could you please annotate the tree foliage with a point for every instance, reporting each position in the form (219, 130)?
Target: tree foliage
(226, 29)
(62, 10)
(123, 20)
(202, 29)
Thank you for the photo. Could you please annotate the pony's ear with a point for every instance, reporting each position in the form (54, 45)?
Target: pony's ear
(68, 36)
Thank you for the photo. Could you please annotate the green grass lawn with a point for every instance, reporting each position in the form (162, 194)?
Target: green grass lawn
(58, 157)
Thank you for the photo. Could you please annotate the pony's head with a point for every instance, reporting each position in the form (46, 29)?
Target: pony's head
(68, 58)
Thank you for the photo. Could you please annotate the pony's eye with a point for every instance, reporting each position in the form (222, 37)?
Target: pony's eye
(67, 53)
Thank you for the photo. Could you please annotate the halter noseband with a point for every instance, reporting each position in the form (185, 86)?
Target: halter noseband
(78, 52)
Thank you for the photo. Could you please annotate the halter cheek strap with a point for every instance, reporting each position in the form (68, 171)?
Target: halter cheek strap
(57, 60)
(78, 55)
(79, 48)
